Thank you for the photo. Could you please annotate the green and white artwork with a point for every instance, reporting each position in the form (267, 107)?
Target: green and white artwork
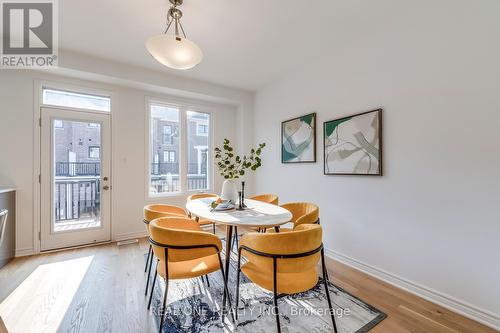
(298, 139)
(353, 145)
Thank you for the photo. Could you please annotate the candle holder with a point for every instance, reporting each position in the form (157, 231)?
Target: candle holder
(240, 201)
(242, 197)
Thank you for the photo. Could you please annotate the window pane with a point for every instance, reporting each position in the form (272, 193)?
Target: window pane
(77, 175)
(197, 155)
(75, 100)
(164, 176)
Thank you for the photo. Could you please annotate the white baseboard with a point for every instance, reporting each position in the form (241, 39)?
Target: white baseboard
(468, 310)
(28, 251)
(129, 235)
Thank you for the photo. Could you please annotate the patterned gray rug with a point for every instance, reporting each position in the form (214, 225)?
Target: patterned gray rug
(192, 306)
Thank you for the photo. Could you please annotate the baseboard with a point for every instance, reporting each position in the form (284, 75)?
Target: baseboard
(28, 251)
(129, 235)
(468, 310)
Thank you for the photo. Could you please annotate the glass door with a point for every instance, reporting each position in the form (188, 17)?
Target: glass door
(75, 178)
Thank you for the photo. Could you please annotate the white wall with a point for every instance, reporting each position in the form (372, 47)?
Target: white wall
(433, 218)
(17, 133)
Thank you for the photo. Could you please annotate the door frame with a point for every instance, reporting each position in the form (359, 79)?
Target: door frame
(68, 85)
(51, 240)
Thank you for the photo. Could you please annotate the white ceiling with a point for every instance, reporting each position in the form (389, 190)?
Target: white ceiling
(246, 43)
(249, 43)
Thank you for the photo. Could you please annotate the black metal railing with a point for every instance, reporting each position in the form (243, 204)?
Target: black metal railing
(71, 169)
(77, 198)
(172, 184)
(164, 168)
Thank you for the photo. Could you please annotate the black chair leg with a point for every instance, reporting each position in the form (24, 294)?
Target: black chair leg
(153, 286)
(208, 281)
(147, 260)
(149, 272)
(325, 281)
(163, 310)
(213, 227)
(238, 272)
(275, 292)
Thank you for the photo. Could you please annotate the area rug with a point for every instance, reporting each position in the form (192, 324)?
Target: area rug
(193, 306)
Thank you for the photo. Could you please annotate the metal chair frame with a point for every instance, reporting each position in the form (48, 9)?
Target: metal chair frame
(275, 258)
(166, 247)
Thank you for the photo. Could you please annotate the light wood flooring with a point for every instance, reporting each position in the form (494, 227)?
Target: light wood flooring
(101, 289)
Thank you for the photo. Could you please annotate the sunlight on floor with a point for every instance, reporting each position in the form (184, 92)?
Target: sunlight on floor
(50, 289)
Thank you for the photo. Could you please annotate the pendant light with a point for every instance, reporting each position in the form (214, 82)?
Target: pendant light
(174, 50)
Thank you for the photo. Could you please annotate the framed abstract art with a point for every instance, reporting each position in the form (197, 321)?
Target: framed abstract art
(353, 145)
(298, 139)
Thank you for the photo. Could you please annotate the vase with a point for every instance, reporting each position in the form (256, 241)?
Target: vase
(229, 191)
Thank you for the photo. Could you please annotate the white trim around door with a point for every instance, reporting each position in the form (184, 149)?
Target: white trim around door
(75, 202)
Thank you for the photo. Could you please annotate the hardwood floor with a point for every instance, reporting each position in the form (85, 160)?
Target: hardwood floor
(101, 289)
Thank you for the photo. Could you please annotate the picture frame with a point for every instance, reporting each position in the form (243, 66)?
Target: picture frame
(298, 139)
(352, 145)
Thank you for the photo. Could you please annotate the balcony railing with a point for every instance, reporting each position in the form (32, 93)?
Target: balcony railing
(171, 183)
(164, 168)
(77, 198)
(71, 169)
(77, 191)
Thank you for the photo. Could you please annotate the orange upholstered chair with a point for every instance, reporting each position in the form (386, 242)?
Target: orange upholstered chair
(269, 198)
(152, 212)
(284, 263)
(201, 196)
(302, 213)
(184, 251)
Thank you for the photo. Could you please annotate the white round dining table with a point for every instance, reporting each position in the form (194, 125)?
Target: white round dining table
(258, 214)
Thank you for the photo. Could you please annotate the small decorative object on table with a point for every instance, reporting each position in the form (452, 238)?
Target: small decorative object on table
(221, 206)
(240, 201)
(242, 196)
(232, 166)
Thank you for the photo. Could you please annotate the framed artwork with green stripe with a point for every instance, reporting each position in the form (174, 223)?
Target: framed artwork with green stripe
(353, 145)
(298, 139)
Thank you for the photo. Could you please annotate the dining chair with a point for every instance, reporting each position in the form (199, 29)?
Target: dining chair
(284, 263)
(150, 213)
(302, 213)
(184, 251)
(203, 221)
(267, 198)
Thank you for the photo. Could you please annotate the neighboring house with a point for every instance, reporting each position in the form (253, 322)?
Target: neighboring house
(166, 145)
(77, 146)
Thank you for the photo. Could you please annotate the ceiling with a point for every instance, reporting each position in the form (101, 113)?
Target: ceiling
(246, 43)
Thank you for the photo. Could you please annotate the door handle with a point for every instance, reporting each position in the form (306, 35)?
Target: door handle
(105, 187)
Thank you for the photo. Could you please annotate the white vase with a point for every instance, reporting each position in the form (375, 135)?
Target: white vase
(229, 191)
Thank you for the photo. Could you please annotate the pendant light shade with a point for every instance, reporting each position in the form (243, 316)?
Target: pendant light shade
(174, 51)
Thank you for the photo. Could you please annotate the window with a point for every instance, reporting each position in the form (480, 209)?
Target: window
(94, 152)
(75, 100)
(167, 124)
(169, 156)
(164, 177)
(197, 157)
(167, 134)
(93, 125)
(58, 124)
(202, 129)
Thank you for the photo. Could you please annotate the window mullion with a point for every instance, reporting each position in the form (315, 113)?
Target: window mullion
(183, 150)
